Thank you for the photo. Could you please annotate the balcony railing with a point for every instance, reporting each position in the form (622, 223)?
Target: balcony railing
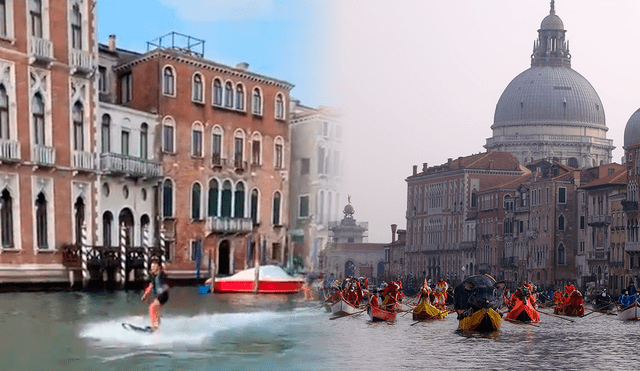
(81, 60)
(599, 220)
(632, 246)
(84, 161)
(531, 233)
(132, 166)
(220, 224)
(217, 161)
(9, 150)
(42, 155)
(41, 48)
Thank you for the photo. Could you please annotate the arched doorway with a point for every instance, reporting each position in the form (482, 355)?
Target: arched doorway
(224, 258)
(126, 218)
(349, 269)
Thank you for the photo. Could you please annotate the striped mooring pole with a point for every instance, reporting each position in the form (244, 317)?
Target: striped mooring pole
(84, 249)
(147, 245)
(163, 247)
(123, 254)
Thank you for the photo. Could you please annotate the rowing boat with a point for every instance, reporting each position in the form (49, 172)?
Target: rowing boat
(342, 307)
(377, 314)
(630, 313)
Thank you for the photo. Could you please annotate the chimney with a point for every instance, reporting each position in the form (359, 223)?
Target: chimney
(425, 166)
(415, 169)
(393, 232)
(576, 178)
(490, 164)
(242, 66)
(449, 160)
(112, 43)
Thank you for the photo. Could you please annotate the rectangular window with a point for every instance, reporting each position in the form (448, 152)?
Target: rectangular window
(547, 194)
(124, 143)
(196, 143)
(196, 250)
(581, 221)
(216, 153)
(237, 157)
(305, 165)
(303, 209)
(35, 12)
(78, 136)
(562, 195)
(167, 138)
(102, 79)
(3, 17)
(126, 86)
(325, 129)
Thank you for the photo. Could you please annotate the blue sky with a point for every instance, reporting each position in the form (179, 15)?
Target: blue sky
(280, 39)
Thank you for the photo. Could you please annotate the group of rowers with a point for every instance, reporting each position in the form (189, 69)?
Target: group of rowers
(570, 302)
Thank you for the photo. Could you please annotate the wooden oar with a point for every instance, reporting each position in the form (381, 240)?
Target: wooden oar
(554, 315)
(347, 315)
(603, 313)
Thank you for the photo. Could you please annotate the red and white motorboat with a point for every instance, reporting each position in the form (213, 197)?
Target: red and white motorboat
(271, 280)
(342, 307)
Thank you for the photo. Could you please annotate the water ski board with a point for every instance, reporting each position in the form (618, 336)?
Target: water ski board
(128, 326)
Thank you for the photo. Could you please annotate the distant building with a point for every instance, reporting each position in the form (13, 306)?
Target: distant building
(348, 254)
(316, 179)
(550, 111)
(224, 147)
(394, 256)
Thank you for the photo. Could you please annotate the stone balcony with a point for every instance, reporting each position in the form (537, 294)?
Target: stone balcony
(81, 61)
(117, 164)
(9, 150)
(43, 155)
(41, 49)
(221, 224)
(599, 220)
(84, 161)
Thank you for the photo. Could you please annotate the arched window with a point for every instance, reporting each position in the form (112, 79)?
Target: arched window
(196, 140)
(217, 92)
(78, 127)
(226, 198)
(144, 140)
(145, 235)
(216, 150)
(256, 149)
(212, 209)
(6, 219)
(79, 219)
(168, 130)
(254, 206)
(275, 216)
(37, 110)
(107, 226)
(238, 154)
(76, 28)
(228, 95)
(106, 133)
(279, 107)
(197, 92)
(561, 254)
(41, 222)
(167, 199)
(279, 153)
(35, 13)
(168, 81)
(238, 211)
(256, 102)
(561, 223)
(239, 97)
(4, 114)
(196, 192)
(320, 207)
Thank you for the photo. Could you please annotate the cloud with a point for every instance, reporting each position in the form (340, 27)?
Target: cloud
(207, 10)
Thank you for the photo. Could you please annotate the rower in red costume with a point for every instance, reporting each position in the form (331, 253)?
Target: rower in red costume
(569, 289)
(441, 294)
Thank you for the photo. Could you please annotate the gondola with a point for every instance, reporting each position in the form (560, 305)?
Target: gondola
(376, 314)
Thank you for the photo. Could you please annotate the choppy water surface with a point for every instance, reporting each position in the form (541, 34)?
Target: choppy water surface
(82, 331)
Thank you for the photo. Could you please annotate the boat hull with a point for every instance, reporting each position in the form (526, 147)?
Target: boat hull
(264, 287)
(342, 308)
(630, 313)
(377, 314)
(483, 320)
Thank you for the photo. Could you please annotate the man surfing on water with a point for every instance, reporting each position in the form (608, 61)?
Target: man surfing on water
(157, 292)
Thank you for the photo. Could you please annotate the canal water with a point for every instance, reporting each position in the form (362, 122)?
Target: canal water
(82, 331)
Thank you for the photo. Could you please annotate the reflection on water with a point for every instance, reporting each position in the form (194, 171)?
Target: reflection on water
(82, 331)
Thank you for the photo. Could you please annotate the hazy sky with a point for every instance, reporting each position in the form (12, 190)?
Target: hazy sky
(418, 81)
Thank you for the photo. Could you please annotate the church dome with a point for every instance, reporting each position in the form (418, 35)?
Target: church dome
(632, 130)
(549, 95)
(552, 22)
